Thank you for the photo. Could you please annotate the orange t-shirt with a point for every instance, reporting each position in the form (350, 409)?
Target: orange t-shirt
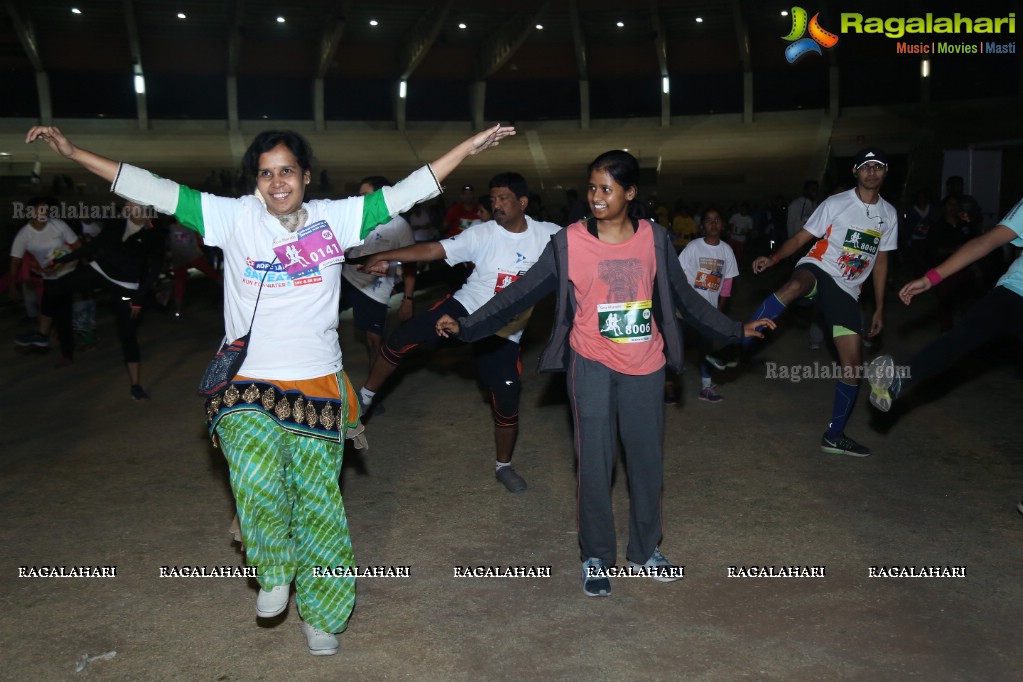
(614, 285)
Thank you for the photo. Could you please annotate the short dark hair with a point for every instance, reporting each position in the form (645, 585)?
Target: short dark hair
(375, 181)
(36, 202)
(513, 181)
(267, 140)
(709, 209)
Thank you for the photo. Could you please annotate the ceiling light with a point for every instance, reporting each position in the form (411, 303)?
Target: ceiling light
(699, 20)
(925, 68)
(402, 89)
(620, 24)
(75, 10)
(140, 85)
(373, 22)
(280, 20)
(539, 27)
(784, 12)
(181, 15)
(461, 25)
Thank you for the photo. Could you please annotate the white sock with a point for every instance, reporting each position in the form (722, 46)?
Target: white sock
(705, 382)
(366, 395)
(501, 465)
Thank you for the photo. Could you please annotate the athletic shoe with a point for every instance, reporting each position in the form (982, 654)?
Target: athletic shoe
(843, 445)
(138, 393)
(726, 358)
(709, 395)
(662, 567)
(33, 339)
(320, 643)
(272, 602)
(594, 583)
(510, 479)
(367, 410)
(881, 375)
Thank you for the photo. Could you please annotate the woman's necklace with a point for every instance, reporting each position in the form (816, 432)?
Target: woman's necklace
(293, 221)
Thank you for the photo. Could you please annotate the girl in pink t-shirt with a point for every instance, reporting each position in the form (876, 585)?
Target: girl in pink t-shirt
(618, 284)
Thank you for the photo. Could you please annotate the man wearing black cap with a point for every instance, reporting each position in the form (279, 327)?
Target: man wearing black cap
(854, 230)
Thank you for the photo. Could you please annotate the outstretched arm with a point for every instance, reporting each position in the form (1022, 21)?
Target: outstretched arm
(965, 255)
(491, 137)
(792, 245)
(378, 263)
(94, 163)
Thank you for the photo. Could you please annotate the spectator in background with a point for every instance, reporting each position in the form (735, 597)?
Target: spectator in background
(47, 239)
(575, 208)
(918, 221)
(461, 215)
(802, 207)
(683, 226)
(740, 226)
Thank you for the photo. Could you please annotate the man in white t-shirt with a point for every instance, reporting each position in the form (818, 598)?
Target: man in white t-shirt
(503, 249)
(48, 238)
(368, 295)
(854, 231)
(802, 207)
(710, 267)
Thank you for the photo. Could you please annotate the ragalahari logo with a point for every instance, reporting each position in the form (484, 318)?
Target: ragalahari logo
(800, 47)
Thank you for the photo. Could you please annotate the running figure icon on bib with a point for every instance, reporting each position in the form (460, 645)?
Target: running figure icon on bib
(305, 252)
(626, 322)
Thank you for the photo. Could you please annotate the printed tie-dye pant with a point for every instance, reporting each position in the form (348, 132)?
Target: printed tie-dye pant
(292, 515)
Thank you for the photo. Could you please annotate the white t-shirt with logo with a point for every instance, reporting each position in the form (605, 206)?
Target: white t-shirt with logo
(392, 235)
(500, 256)
(294, 335)
(53, 241)
(850, 234)
(707, 267)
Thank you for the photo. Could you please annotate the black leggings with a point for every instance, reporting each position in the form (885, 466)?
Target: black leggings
(56, 304)
(999, 313)
(121, 299)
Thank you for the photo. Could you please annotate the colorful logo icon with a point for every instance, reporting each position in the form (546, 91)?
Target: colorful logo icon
(800, 47)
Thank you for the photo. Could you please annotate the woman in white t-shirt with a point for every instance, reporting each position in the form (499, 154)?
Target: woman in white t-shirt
(47, 238)
(281, 422)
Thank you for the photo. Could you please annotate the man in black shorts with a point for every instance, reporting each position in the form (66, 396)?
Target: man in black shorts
(854, 231)
(502, 250)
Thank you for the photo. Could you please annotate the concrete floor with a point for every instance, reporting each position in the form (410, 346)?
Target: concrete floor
(91, 478)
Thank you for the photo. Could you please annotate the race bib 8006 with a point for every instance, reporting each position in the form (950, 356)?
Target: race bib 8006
(630, 322)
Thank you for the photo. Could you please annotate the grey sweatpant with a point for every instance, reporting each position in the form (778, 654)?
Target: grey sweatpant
(605, 405)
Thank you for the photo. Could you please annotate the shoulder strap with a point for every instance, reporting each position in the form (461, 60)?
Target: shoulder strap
(260, 293)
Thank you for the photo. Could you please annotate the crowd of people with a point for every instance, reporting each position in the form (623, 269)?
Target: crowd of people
(628, 276)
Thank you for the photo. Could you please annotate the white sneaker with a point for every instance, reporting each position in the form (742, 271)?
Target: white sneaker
(272, 602)
(320, 643)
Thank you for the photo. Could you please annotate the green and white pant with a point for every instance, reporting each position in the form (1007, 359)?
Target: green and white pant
(292, 515)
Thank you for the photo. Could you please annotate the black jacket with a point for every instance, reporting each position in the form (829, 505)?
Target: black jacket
(550, 274)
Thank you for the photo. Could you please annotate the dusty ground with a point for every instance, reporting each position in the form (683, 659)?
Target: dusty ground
(90, 477)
